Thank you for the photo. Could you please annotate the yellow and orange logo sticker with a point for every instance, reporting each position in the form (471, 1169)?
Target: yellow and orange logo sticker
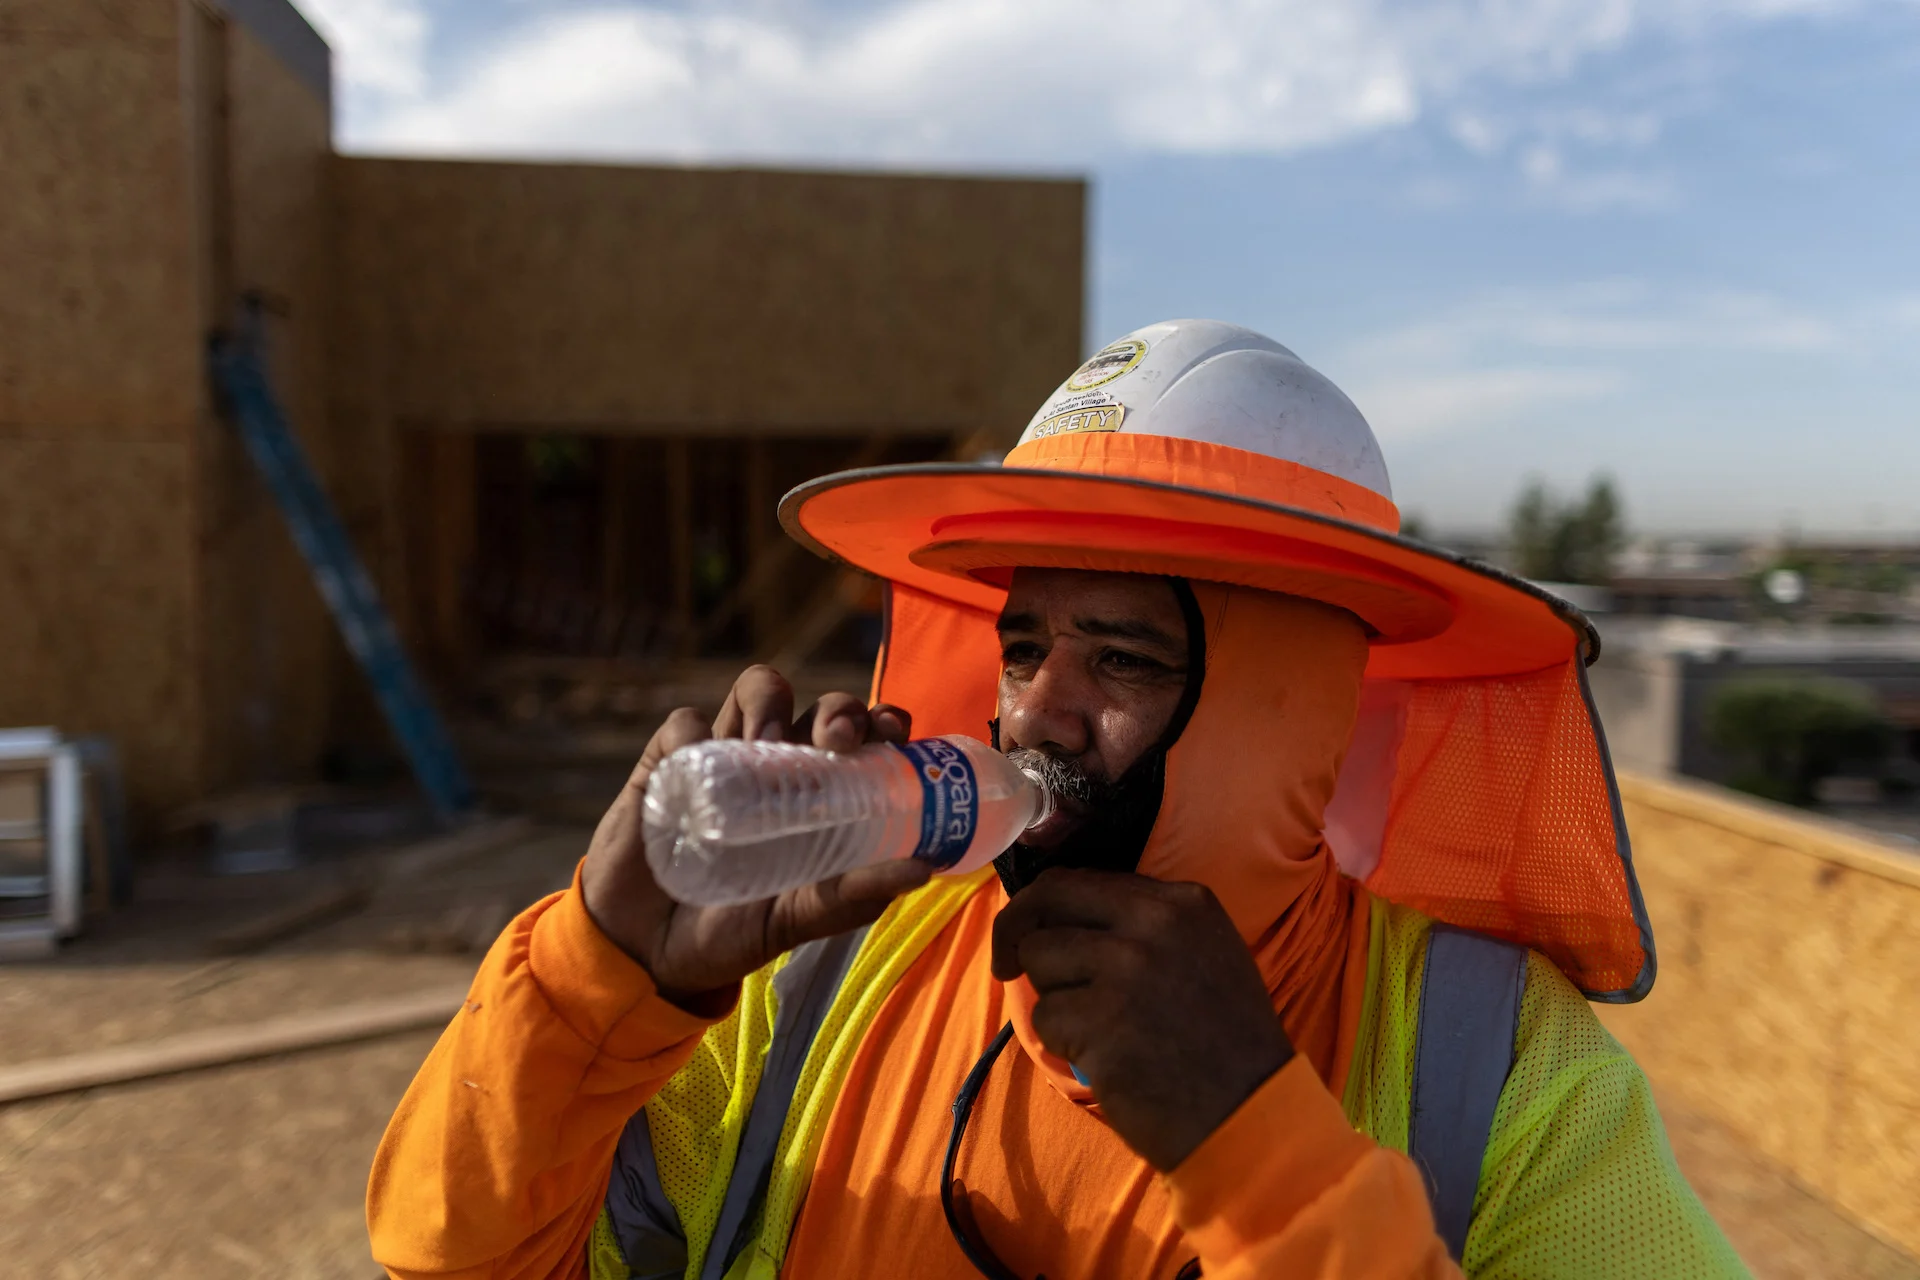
(1110, 362)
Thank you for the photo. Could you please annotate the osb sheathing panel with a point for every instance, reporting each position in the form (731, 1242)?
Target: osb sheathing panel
(1784, 1004)
(635, 299)
(96, 338)
(96, 568)
(369, 494)
(270, 665)
(113, 19)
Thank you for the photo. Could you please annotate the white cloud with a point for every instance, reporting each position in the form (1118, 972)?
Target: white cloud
(1591, 191)
(1541, 164)
(379, 46)
(1583, 158)
(1902, 312)
(1605, 317)
(1605, 128)
(965, 80)
(1444, 403)
(1042, 82)
(1510, 356)
(1477, 133)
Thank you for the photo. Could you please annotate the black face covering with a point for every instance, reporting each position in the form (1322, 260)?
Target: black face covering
(1121, 813)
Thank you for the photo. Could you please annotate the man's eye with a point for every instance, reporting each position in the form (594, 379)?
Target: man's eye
(1131, 663)
(1022, 653)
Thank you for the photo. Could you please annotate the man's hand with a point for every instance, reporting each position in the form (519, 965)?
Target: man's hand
(1146, 988)
(696, 954)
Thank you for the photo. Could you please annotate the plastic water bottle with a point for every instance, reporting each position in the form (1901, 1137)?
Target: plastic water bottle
(731, 821)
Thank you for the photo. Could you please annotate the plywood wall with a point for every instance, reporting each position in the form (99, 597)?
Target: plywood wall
(95, 223)
(100, 389)
(1784, 1006)
(98, 635)
(271, 659)
(158, 160)
(626, 299)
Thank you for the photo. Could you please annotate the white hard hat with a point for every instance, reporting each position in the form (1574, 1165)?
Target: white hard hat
(1206, 380)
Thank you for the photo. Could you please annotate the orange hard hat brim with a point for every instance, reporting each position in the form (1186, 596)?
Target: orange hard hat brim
(957, 531)
(1477, 788)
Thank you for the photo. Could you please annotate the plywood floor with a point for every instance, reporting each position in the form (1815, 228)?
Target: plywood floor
(261, 1169)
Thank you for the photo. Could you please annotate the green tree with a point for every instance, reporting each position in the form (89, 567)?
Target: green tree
(1555, 541)
(1530, 531)
(1790, 732)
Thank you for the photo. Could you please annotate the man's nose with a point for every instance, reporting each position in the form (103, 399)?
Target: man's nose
(1050, 712)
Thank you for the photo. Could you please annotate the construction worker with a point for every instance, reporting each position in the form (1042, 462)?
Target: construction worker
(1294, 983)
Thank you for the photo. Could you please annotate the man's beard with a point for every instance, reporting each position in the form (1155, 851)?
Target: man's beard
(1117, 817)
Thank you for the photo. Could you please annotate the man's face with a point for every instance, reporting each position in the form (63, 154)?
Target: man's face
(1093, 667)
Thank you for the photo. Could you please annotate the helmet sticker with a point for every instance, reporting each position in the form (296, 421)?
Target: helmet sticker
(1112, 361)
(1086, 417)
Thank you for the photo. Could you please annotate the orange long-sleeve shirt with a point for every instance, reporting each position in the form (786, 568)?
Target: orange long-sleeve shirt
(497, 1161)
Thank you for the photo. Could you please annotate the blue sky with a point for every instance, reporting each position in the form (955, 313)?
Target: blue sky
(1673, 240)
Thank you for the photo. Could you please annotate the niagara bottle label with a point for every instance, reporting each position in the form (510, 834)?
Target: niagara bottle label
(950, 800)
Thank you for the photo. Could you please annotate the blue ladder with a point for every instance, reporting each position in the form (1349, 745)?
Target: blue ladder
(241, 378)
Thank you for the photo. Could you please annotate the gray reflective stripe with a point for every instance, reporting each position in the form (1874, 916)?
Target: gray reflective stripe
(1469, 1011)
(651, 1237)
(805, 987)
(644, 1220)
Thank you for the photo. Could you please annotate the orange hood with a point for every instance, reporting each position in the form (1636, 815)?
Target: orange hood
(1248, 781)
(1243, 808)
(1488, 803)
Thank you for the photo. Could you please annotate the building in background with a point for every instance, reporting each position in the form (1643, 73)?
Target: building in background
(1685, 578)
(1657, 680)
(555, 404)
(1805, 654)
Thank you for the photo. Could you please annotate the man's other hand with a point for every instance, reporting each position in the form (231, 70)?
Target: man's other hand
(1146, 988)
(696, 954)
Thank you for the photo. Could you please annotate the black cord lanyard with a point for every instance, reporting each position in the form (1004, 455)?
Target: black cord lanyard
(978, 1252)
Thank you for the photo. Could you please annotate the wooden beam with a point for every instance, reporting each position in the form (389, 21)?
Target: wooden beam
(780, 555)
(310, 912)
(219, 1046)
(414, 862)
(455, 533)
(680, 536)
(435, 854)
(616, 550)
